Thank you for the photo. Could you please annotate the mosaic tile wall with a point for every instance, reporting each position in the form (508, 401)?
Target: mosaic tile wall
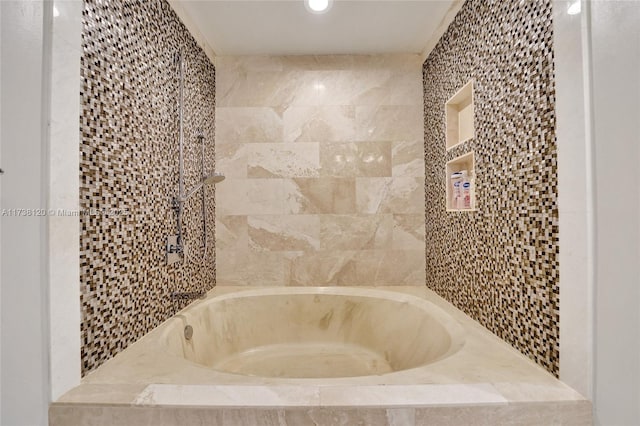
(129, 170)
(324, 164)
(500, 263)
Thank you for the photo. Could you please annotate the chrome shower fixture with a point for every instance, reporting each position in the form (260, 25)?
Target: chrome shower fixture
(175, 243)
(209, 180)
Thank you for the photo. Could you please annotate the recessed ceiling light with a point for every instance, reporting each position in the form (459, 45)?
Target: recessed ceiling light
(574, 8)
(317, 6)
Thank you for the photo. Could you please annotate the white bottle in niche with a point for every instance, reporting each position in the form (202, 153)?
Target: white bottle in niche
(466, 190)
(456, 184)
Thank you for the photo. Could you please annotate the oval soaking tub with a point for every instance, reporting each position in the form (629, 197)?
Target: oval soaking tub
(323, 356)
(315, 332)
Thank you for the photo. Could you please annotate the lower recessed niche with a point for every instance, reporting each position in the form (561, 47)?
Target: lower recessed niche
(460, 178)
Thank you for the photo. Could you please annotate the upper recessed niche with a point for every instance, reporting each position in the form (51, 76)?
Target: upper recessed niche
(459, 116)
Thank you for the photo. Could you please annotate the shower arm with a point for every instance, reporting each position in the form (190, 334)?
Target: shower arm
(193, 191)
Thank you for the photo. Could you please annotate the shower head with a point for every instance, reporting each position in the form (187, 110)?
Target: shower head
(213, 178)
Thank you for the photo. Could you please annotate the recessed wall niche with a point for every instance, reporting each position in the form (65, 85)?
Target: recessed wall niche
(466, 165)
(459, 116)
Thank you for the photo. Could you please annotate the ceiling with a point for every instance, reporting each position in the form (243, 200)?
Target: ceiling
(285, 27)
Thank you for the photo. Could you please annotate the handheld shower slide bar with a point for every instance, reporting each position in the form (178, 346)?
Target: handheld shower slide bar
(175, 243)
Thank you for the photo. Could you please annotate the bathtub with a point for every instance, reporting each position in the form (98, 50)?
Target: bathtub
(322, 356)
(313, 333)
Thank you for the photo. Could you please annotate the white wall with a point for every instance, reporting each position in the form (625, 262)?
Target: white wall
(597, 61)
(615, 83)
(39, 260)
(0, 224)
(24, 369)
(575, 210)
(64, 181)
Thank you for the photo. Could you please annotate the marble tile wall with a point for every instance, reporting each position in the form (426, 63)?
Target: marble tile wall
(129, 171)
(498, 264)
(325, 171)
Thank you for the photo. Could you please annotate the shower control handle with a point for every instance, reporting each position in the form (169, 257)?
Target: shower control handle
(174, 250)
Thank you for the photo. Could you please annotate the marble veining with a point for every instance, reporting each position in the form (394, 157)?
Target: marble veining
(365, 159)
(401, 195)
(284, 233)
(283, 160)
(331, 142)
(320, 123)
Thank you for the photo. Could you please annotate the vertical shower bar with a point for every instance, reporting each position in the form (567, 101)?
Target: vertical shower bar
(175, 245)
(181, 126)
(204, 201)
(180, 203)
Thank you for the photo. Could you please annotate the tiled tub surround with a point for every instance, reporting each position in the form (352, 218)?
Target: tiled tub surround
(499, 264)
(323, 158)
(129, 163)
(481, 382)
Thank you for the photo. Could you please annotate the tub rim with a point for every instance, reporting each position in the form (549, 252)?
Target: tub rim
(455, 330)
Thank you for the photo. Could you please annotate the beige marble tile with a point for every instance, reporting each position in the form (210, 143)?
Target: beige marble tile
(380, 123)
(316, 88)
(322, 417)
(548, 414)
(231, 233)
(283, 160)
(551, 414)
(324, 195)
(248, 124)
(284, 232)
(229, 396)
(360, 87)
(247, 196)
(412, 395)
(265, 196)
(386, 87)
(322, 268)
(400, 195)
(242, 64)
(407, 158)
(105, 393)
(319, 124)
(401, 416)
(231, 159)
(320, 152)
(352, 416)
(231, 198)
(538, 392)
(257, 417)
(355, 232)
(391, 267)
(371, 159)
(105, 415)
(251, 268)
(408, 232)
(257, 88)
